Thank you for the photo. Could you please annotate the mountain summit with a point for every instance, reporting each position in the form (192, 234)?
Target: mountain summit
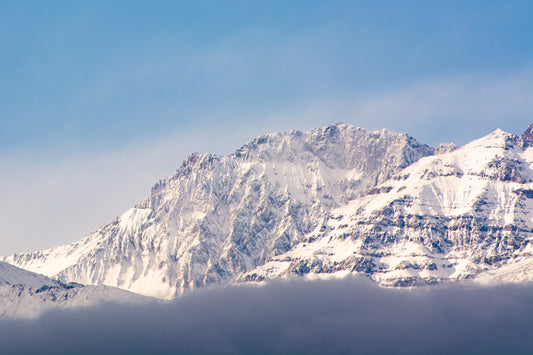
(328, 202)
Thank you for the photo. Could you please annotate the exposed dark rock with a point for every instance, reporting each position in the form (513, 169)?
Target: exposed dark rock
(527, 136)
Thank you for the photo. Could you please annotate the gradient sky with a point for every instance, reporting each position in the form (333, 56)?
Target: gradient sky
(100, 99)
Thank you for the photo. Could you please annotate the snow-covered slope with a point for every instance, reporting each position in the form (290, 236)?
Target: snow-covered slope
(219, 217)
(465, 213)
(11, 275)
(24, 294)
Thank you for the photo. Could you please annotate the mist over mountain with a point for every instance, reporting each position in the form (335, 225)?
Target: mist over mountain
(350, 316)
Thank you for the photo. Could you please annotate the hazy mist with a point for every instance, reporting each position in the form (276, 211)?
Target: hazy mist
(320, 317)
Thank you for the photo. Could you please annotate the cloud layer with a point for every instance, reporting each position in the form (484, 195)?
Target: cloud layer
(319, 317)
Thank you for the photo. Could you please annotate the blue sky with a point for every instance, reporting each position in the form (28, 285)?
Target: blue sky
(99, 99)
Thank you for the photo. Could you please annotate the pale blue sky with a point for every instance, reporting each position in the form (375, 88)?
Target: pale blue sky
(99, 99)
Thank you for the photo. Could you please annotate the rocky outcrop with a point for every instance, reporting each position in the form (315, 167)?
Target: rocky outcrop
(527, 136)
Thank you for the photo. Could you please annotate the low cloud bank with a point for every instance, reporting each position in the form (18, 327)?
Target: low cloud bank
(319, 317)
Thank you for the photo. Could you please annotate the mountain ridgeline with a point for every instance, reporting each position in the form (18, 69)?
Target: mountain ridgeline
(328, 202)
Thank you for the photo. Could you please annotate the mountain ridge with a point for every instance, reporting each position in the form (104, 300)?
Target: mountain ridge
(377, 203)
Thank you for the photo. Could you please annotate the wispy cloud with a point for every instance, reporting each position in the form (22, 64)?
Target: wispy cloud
(435, 110)
(59, 196)
(320, 317)
(459, 108)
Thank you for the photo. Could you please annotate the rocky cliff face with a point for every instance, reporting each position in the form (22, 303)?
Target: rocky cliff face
(527, 137)
(219, 217)
(465, 214)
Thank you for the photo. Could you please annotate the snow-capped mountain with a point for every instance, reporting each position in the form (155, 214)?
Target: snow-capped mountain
(328, 202)
(466, 213)
(219, 217)
(24, 294)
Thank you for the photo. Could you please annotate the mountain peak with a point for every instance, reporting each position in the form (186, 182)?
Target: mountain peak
(497, 139)
(220, 216)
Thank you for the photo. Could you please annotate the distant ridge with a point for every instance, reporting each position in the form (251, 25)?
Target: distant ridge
(24, 294)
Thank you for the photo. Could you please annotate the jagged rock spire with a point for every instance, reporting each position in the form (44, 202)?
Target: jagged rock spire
(527, 136)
